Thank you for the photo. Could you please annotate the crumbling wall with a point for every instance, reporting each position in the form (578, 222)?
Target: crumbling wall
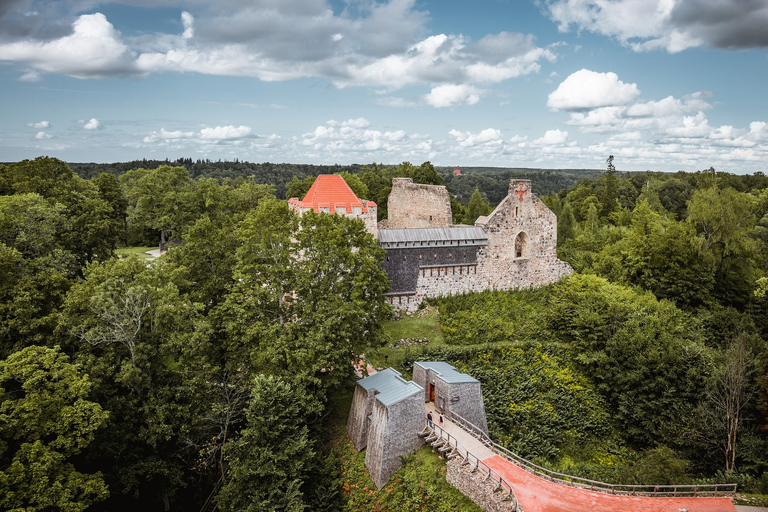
(477, 488)
(412, 205)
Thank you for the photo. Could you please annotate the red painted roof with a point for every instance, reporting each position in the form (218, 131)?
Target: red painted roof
(332, 192)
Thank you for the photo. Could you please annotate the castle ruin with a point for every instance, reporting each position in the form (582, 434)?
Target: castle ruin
(513, 247)
(428, 256)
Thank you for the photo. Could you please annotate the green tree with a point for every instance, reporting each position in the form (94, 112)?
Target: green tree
(609, 198)
(566, 224)
(45, 420)
(156, 199)
(477, 207)
(270, 460)
(298, 187)
(308, 290)
(643, 355)
(144, 344)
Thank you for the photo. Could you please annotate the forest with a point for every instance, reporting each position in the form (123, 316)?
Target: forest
(216, 371)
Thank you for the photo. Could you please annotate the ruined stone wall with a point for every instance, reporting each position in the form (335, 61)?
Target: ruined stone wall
(412, 205)
(522, 243)
(357, 423)
(394, 432)
(466, 400)
(477, 488)
(521, 250)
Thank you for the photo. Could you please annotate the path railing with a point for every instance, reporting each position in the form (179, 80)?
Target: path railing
(476, 463)
(700, 490)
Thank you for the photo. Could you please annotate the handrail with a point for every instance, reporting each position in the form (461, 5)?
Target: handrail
(453, 442)
(695, 490)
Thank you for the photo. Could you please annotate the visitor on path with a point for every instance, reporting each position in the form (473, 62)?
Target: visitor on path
(441, 420)
(429, 419)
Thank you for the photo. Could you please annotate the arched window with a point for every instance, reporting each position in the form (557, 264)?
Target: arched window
(521, 245)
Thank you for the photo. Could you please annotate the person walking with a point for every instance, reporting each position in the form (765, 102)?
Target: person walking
(429, 419)
(441, 420)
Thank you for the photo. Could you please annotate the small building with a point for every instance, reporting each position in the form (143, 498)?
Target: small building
(457, 171)
(451, 391)
(386, 417)
(331, 194)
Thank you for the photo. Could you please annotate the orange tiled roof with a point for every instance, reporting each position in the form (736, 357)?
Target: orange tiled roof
(332, 192)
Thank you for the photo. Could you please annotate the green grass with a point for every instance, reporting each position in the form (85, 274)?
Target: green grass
(426, 325)
(139, 251)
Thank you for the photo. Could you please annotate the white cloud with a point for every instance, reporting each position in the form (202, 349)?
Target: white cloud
(587, 89)
(225, 132)
(41, 124)
(207, 135)
(489, 136)
(368, 44)
(674, 25)
(451, 94)
(94, 49)
(552, 138)
(92, 124)
(42, 136)
(189, 25)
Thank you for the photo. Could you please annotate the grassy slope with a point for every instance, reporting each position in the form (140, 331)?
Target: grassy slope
(424, 324)
(139, 251)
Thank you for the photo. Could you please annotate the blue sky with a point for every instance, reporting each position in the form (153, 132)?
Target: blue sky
(661, 84)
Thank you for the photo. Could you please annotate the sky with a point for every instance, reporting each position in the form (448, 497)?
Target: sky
(663, 85)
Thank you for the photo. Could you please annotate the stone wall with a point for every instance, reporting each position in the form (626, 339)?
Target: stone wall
(466, 400)
(394, 432)
(413, 205)
(475, 487)
(522, 243)
(521, 250)
(357, 423)
(406, 266)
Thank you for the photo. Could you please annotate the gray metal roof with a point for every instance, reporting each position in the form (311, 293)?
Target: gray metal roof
(391, 386)
(446, 372)
(432, 237)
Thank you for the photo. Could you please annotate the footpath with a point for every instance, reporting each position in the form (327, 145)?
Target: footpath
(536, 494)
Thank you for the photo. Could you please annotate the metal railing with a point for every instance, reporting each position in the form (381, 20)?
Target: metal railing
(700, 490)
(476, 463)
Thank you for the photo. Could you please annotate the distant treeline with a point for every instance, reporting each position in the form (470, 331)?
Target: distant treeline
(492, 182)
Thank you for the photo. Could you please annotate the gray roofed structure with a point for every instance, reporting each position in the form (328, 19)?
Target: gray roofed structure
(447, 373)
(390, 385)
(453, 236)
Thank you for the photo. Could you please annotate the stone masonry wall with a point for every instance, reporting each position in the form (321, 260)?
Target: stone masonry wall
(520, 216)
(413, 205)
(466, 400)
(357, 423)
(475, 487)
(392, 434)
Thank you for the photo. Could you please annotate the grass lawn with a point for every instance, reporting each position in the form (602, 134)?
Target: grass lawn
(139, 251)
(426, 325)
